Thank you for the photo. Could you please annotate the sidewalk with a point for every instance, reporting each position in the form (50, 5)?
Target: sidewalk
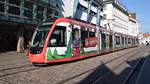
(12, 55)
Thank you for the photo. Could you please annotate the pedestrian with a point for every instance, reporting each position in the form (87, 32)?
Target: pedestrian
(28, 48)
(147, 43)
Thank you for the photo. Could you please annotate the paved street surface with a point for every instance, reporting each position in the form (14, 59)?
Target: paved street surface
(110, 68)
(143, 77)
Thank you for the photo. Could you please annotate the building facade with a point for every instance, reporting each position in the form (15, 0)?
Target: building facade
(118, 19)
(133, 25)
(85, 10)
(116, 15)
(18, 19)
(144, 38)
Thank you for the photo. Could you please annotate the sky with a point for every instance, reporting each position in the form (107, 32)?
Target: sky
(142, 8)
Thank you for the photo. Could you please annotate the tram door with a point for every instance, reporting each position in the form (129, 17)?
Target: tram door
(76, 41)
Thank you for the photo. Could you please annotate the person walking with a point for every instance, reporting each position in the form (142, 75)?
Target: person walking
(147, 43)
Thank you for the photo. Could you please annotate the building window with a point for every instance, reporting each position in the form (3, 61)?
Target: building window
(95, 5)
(49, 11)
(14, 10)
(14, 7)
(15, 2)
(28, 4)
(2, 6)
(104, 18)
(28, 13)
(40, 10)
(56, 13)
(92, 13)
(82, 8)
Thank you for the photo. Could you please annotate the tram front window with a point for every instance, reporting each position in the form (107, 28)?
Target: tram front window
(39, 38)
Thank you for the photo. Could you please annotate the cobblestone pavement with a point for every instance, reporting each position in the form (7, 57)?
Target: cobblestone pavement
(105, 69)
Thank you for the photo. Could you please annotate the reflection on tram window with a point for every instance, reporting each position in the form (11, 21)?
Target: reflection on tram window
(40, 35)
(58, 38)
(40, 38)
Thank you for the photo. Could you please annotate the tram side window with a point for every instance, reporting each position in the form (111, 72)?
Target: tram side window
(87, 33)
(58, 38)
(137, 41)
(84, 35)
(117, 40)
(92, 33)
(128, 40)
(132, 40)
(122, 40)
(125, 40)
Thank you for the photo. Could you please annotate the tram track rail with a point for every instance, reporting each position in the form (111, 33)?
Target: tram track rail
(18, 69)
(25, 59)
(29, 67)
(5, 63)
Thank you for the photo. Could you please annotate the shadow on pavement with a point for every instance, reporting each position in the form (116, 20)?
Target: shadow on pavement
(103, 75)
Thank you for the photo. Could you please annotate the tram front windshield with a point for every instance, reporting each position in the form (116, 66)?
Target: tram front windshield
(39, 38)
